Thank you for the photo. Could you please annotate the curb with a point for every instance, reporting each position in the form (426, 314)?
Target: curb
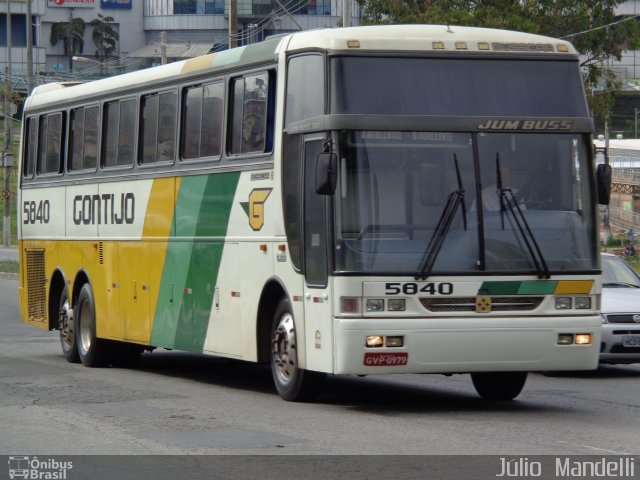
(9, 276)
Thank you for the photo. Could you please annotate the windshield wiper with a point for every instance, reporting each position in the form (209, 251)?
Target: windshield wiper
(456, 198)
(620, 284)
(509, 203)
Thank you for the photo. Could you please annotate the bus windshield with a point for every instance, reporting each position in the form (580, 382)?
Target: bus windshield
(394, 189)
(456, 87)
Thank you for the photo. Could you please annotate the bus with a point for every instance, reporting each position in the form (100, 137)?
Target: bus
(355, 201)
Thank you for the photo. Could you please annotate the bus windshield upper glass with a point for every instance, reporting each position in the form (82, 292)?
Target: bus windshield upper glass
(395, 188)
(461, 86)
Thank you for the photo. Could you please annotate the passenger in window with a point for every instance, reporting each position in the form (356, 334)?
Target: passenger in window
(253, 134)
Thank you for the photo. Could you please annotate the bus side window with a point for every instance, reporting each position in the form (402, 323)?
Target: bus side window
(202, 117)
(31, 148)
(118, 133)
(83, 139)
(249, 128)
(212, 119)
(158, 128)
(50, 144)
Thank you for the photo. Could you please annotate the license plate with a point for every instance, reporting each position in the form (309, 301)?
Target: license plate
(631, 341)
(385, 359)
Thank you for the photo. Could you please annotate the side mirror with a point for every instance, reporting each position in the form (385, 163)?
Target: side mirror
(326, 173)
(603, 183)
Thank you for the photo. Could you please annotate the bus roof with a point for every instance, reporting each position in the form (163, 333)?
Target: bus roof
(436, 38)
(428, 38)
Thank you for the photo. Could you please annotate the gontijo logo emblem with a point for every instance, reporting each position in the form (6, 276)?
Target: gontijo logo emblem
(254, 208)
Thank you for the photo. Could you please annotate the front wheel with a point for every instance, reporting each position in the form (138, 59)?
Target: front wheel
(499, 386)
(292, 383)
(93, 351)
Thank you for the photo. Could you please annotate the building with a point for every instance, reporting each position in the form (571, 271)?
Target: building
(64, 49)
(13, 41)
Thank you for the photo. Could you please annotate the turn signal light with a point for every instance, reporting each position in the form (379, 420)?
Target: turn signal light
(349, 305)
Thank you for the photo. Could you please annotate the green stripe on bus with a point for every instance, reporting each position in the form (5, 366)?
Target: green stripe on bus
(527, 287)
(537, 287)
(192, 264)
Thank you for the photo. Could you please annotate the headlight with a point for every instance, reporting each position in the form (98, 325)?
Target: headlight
(375, 305)
(563, 303)
(396, 305)
(583, 303)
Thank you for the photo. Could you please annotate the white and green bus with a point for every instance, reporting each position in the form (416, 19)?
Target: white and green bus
(370, 200)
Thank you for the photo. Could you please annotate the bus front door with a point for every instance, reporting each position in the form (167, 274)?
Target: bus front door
(317, 300)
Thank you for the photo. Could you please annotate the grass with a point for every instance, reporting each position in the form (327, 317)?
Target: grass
(634, 262)
(8, 266)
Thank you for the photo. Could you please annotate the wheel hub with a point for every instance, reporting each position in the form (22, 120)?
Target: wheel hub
(284, 354)
(66, 324)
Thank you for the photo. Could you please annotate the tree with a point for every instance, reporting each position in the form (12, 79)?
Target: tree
(589, 24)
(105, 37)
(71, 34)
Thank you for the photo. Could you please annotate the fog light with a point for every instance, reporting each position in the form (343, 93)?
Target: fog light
(374, 341)
(396, 305)
(583, 339)
(563, 303)
(565, 339)
(583, 303)
(395, 341)
(349, 305)
(375, 305)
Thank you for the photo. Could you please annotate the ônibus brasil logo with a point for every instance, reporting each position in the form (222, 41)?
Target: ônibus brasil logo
(35, 469)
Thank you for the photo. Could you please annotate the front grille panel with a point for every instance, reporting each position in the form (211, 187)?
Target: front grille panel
(621, 349)
(626, 332)
(468, 304)
(36, 286)
(623, 318)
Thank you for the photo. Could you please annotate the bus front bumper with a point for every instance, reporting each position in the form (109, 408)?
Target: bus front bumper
(463, 345)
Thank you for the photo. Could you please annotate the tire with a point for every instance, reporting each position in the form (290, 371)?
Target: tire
(93, 351)
(292, 383)
(66, 324)
(499, 386)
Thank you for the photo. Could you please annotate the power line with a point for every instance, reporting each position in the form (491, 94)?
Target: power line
(634, 17)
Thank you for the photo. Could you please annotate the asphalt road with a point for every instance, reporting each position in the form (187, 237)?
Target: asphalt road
(176, 403)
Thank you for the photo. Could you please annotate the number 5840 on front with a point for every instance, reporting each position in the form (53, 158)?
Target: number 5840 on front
(412, 288)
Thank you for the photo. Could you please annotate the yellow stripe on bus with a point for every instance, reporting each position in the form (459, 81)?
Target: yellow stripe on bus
(565, 287)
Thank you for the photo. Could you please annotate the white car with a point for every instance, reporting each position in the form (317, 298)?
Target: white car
(620, 312)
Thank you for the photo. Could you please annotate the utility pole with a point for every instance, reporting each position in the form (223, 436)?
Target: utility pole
(6, 192)
(346, 13)
(606, 223)
(163, 47)
(233, 23)
(29, 49)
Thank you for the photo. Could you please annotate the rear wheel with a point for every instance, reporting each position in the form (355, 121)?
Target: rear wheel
(499, 386)
(66, 325)
(292, 383)
(93, 352)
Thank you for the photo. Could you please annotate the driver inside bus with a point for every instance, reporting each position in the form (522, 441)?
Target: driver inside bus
(491, 195)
